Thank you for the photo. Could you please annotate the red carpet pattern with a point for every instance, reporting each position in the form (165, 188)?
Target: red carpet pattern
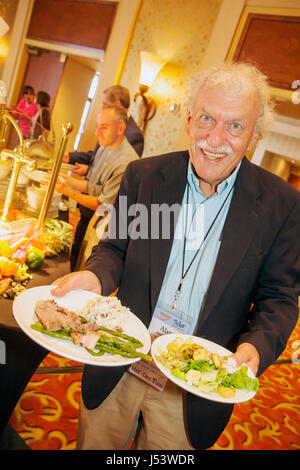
(47, 413)
(271, 420)
(46, 416)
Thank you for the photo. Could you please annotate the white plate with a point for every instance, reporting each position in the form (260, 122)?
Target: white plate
(37, 175)
(161, 343)
(24, 313)
(67, 167)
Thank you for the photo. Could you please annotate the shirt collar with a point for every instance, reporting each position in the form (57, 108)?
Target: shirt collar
(193, 180)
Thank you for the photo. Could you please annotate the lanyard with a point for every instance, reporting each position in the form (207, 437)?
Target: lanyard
(184, 272)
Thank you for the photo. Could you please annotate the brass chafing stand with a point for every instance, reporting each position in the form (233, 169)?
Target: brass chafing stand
(67, 128)
(18, 157)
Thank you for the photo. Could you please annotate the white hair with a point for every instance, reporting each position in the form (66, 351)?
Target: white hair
(240, 78)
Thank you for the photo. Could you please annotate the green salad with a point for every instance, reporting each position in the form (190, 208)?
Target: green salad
(207, 371)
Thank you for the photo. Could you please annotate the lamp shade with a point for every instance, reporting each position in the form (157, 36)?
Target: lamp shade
(151, 64)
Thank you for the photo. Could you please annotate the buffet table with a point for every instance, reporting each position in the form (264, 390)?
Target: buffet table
(52, 269)
(22, 355)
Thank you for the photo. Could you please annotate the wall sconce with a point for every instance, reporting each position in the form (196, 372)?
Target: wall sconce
(175, 108)
(151, 64)
(3, 27)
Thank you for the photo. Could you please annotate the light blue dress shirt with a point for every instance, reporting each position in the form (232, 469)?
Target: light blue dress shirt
(196, 216)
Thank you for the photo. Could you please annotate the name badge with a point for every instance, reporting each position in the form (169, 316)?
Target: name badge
(164, 321)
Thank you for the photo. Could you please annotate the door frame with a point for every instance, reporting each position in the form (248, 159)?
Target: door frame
(112, 60)
(269, 11)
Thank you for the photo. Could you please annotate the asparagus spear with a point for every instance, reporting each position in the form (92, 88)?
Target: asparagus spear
(104, 344)
(60, 334)
(122, 351)
(116, 342)
(137, 343)
(131, 339)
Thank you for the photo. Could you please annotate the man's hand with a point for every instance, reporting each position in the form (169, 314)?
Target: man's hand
(246, 353)
(61, 184)
(76, 280)
(60, 187)
(80, 169)
(66, 158)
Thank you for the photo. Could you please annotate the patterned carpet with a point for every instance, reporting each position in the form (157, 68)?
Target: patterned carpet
(47, 414)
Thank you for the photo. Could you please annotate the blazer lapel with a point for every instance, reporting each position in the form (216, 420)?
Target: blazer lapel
(168, 193)
(243, 220)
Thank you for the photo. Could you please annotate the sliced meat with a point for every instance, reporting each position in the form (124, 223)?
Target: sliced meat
(89, 327)
(87, 340)
(53, 317)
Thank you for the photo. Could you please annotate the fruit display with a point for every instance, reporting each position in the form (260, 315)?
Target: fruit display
(10, 287)
(56, 236)
(23, 250)
(35, 257)
(53, 244)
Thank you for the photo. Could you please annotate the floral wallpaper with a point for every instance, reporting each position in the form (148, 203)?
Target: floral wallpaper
(8, 10)
(179, 31)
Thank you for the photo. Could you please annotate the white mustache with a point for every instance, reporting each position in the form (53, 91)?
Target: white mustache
(202, 144)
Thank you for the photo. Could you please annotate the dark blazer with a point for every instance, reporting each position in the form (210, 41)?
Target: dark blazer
(253, 292)
(133, 134)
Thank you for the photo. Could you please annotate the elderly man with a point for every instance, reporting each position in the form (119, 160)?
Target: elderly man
(104, 176)
(235, 285)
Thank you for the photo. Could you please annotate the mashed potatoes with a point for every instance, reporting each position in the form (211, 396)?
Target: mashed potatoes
(106, 311)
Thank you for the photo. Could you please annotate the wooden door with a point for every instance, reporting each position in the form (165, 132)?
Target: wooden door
(44, 72)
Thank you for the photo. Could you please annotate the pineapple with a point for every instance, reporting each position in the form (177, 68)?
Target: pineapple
(53, 244)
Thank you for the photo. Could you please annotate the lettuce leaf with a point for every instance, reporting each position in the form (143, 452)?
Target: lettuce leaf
(178, 373)
(241, 380)
(202, 366)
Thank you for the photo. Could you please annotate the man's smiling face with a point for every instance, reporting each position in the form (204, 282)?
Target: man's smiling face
(221, 128)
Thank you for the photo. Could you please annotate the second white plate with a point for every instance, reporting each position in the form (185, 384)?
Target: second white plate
(161, 343)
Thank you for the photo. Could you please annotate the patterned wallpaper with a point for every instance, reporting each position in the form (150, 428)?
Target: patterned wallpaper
(7, 13)
(179, 31)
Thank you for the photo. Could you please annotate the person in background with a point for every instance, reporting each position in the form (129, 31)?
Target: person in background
(119, 95)
(25, 110)
(82, 161)
(103, 179)
(42, 119)
(234, 282)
